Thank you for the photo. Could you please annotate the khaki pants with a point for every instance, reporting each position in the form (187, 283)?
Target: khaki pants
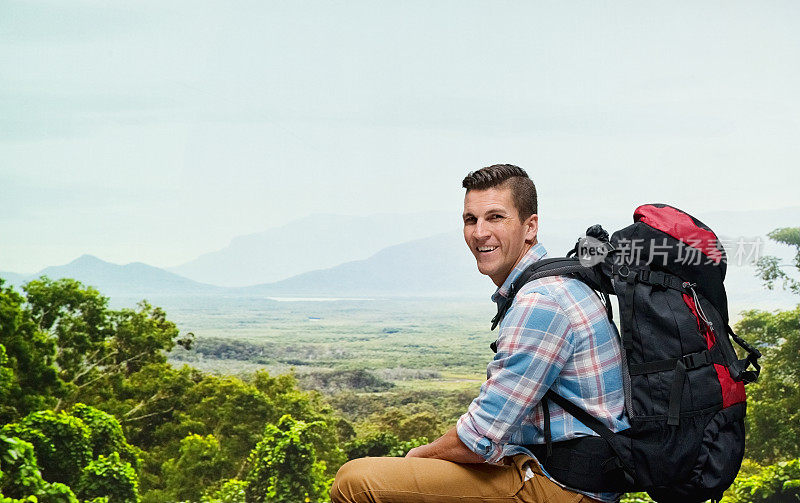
(423, 480)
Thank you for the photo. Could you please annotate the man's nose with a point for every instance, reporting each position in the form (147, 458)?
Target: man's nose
(481, 230)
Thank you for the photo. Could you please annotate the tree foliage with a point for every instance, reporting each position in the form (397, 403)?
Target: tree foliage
(76, 318)
(338, 380)
(773, 416)
(776, 483)
(31, 378)
(284, 466)
(51, 455)
(231, 491)
(21, 480)
(105, 434)
(63, 344)
(6, 381)
(160, 406)
(198, 467)
(70, 366)
(60, 441)
(381, 444)
(770, 269)
(109, 477)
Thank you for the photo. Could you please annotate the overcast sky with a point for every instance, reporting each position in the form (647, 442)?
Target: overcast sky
(157, 131)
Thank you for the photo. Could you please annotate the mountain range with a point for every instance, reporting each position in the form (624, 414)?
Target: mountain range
(427, 266)
(434, 266)
(134, 279)
(312, 242)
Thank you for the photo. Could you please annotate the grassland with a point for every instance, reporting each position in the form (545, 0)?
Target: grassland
(375, 360)
(412, 343)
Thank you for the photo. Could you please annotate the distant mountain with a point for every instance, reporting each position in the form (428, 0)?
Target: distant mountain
(442, 265)
(135, 279)
(13, 278)
(432, 266)
(314, 242)
(439, 265)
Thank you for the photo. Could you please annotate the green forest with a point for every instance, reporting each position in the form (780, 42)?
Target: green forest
(103, 405)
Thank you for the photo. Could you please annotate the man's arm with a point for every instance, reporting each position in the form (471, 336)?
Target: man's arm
(534, 342)
(448, 447)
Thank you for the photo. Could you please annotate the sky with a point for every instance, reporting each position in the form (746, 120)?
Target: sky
(157, 131)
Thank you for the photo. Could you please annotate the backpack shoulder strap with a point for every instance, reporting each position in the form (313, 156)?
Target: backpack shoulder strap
(581, 415)
(540, 269)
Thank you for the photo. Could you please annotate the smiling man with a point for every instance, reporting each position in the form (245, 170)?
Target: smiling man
(497, 233)
(555, 335)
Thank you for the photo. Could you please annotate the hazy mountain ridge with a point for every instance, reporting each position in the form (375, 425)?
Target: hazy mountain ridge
(110, 279)
(430, 266)
(312, 242)
(438, 265)
(13, 278)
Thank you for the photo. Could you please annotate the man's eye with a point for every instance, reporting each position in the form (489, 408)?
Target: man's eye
(495, 217)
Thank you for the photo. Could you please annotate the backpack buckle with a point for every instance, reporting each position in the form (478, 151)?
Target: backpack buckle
(623, 271)
(695, 360)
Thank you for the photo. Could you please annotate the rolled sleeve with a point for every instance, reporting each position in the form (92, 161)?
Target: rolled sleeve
(477, 443)
(533, 345)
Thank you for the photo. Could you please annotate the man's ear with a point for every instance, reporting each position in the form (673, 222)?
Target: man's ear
(531, 229)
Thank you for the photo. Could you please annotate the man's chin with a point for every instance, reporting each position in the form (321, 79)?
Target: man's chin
(485, 270)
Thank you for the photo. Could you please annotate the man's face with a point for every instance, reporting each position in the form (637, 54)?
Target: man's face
(494, 232)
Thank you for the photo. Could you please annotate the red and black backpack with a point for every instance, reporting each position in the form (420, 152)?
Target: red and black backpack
(683, 382)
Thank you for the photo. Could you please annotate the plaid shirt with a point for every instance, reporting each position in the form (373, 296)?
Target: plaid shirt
(556, 335)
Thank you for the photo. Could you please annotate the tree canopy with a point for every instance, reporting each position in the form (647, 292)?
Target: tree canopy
(92, 410)
(770, 268)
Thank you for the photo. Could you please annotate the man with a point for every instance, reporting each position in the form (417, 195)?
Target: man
(556, 334)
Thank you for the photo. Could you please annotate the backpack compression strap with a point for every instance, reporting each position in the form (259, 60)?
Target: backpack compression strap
(739, 367)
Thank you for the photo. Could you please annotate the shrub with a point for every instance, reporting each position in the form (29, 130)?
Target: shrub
(20, 478)
(777, 483)
(60, 441)
(284, 466)
(109, 477)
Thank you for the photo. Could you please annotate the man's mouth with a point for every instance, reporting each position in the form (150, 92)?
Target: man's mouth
(486, 249)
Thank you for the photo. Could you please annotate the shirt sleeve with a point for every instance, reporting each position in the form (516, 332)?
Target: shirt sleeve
(533, 345)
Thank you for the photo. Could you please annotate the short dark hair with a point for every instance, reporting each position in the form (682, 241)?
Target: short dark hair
(523, 191)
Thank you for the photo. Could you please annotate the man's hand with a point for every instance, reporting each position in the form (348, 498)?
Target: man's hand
(417, 452)
(448, 447)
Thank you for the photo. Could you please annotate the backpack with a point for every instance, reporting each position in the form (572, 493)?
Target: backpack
(683, 382)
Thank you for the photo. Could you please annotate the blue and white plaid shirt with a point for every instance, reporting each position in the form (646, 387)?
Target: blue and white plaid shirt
(556, 335)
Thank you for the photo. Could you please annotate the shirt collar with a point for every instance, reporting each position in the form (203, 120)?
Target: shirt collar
(536, 253)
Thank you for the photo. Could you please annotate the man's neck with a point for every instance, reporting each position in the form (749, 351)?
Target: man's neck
(525, 252)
